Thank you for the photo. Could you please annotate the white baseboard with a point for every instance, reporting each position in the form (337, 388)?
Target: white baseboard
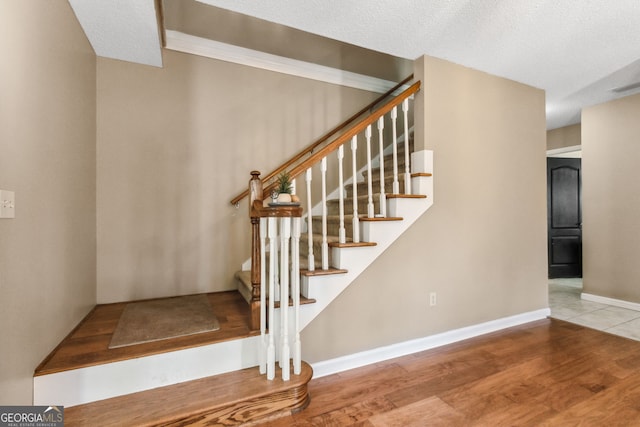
(611, 301)
(356, 360)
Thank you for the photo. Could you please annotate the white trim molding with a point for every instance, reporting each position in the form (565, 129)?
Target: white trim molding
(186, 43)
(380, 354)
(559, 152)
(611, 301)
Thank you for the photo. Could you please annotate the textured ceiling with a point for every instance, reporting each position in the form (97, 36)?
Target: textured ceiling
(575, 50)
(121, 29)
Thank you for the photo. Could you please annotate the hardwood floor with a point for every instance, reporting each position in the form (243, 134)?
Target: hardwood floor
(88, 344)
(545, 373)
(235, 398)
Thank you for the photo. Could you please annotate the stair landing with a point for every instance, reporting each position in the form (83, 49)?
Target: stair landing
(202, 379)
(88, 344)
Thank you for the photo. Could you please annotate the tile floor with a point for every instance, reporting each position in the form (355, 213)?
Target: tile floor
(565, 304)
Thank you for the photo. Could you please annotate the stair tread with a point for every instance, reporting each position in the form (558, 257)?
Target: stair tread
(244, 276)
(232, 396)
(349, 217)
(351, 244)
(376, 197)
(318, 238)
(320, 272)
(406, 196)
(361, 197)
(382, 219)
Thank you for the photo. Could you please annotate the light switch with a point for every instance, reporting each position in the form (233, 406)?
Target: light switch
(7, 204)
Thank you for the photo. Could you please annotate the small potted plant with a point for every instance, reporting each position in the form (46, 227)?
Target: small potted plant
(284, 188)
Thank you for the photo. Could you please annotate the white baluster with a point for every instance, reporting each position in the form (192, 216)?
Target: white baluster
(394, 120)
(370, 212)
(325, 245)
(310, 258)
(271, 349)
(383, 197)
(407, 173)
(263, 296)
(342, 235)
(354, 169)
(295, 290)
(285, 235)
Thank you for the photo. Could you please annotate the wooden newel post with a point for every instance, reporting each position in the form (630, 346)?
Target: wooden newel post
(255, 194)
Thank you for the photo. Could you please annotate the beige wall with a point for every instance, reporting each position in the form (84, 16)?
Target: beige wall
(481, 247)
(47, 156)
(611, 199)
(175, 145)
(173, 148)
(568, 136)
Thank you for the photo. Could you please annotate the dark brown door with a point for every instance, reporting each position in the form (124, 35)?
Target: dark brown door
(564, 217)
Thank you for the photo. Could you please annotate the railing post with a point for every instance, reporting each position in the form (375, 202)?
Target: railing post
(342, 235)
(394, 122)
(354, 183)
(263, 296)
(310, 257)
(407, 173)
(370, 212)
(295, 290)
(255, 194)
(325, 244)
(383, 196)
(271, 349)
(285, 236)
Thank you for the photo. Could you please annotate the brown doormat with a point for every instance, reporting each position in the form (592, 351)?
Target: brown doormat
(156, 320)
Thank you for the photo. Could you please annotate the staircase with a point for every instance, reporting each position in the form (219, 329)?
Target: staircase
(339, 240)
(349, 259)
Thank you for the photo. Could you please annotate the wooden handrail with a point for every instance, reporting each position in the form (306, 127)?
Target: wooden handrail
(345, 137)
(323, 139)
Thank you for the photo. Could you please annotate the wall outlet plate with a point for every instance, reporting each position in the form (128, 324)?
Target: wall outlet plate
(7, 204)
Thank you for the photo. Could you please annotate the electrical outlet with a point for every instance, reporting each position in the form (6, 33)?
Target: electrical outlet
(7, 204)
(432, 299)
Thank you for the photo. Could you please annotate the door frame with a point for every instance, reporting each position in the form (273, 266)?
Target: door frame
(574, 151)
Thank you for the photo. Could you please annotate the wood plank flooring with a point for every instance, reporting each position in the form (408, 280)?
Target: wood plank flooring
(88, 344)
(545, 373)
(235, 398)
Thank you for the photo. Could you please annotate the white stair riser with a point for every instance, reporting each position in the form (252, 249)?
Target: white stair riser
(85, 385)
